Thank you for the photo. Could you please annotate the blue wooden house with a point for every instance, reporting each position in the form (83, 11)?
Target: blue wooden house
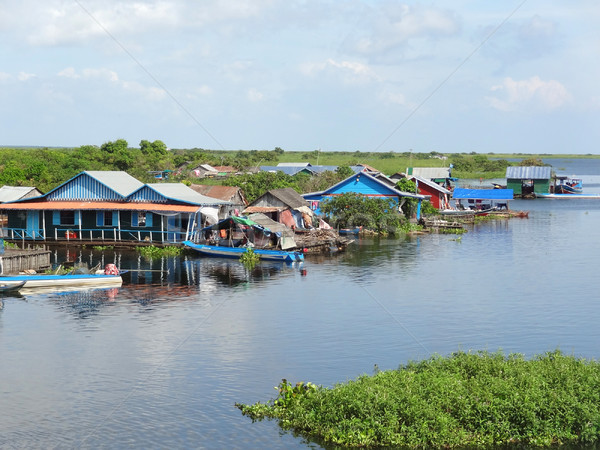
(100, 206)
(365, 184)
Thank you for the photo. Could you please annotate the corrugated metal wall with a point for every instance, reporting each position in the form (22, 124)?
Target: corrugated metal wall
(364, 185)
(148, 195)
(84, 187)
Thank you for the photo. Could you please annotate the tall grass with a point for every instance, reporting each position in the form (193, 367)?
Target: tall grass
(467, 399)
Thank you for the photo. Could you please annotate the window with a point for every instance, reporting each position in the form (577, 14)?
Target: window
(67, 218)
(141, 219)
(106, 218)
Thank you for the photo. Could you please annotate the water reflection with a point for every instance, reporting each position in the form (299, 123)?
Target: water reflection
(148, 283)
(84, 304)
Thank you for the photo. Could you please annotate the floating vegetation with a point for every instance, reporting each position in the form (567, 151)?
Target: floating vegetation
(152, 251)
(452, 231)
(249, 258)
(103, 247)
(474, 399)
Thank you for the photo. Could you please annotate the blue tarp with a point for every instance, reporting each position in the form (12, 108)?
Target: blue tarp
(483, 194)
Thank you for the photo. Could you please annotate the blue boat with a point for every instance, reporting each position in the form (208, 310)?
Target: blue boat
(69, 280)
(354, 231)
(568, 185)
(236, 252)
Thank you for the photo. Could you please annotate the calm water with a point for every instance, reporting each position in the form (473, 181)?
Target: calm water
(161, 361)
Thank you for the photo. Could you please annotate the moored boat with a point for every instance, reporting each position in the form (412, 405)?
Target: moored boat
(68, 280)
(236, 252)
(355, 230)
(10, 286)
(568, 196)
(567, 185)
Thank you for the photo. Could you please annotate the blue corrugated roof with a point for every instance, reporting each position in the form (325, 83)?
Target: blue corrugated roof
(288, 170)
(483, 194)
(166, 192)
(529, 172)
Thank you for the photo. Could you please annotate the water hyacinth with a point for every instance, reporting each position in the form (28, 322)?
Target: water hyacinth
(466, 399)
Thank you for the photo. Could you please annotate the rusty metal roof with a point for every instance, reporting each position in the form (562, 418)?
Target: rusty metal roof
(216, 191)
(262, 209)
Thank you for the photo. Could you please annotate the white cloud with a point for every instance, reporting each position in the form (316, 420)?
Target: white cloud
(531, 92)
(392, 27)
(254, 95)
(104, 74)
(69, 72)
(23, 76)
(149, 93)
(59, 23)
(349, 72)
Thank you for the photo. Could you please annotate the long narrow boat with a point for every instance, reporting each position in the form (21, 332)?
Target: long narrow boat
(10, 287)
(568, 196)
(69, 280)
(236, 252)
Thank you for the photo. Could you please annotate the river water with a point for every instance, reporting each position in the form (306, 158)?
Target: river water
(161, 361)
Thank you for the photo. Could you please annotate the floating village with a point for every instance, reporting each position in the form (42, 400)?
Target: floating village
(112, 208)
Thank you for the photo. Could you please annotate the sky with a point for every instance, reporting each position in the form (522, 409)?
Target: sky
(517, 76)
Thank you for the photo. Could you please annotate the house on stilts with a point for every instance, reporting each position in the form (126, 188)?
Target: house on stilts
(110, 206)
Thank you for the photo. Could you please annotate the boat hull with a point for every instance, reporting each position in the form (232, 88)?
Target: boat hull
(562, 189)
(236, 252)
(568, 196)
(32, 281)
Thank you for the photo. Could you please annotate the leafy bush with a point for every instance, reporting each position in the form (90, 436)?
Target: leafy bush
(355, 210)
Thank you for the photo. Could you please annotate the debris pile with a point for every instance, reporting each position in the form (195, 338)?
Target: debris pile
(321, 241)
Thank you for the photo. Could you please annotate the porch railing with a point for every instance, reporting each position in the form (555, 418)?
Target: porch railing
(95, 235)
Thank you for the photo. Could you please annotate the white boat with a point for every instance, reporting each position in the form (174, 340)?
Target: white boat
(568, 196)
(69, 280)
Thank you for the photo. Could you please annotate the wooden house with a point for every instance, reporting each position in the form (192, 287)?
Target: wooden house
(366, 184)
(439, 196)
(204, 170)
(101, 206)
(285, 206)
(232, 194)
(439, 175)
(13, 193)
(528, 180)
(290, 168)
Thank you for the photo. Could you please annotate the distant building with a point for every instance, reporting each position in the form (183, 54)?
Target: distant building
(232, 194)
(285, 206)
(439, 195)
(439, 175)
(204, 170)
(528, 180)
(310, 169)
(13, 193)
(365, 184)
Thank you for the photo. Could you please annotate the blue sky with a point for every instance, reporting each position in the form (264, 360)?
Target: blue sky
(446, 76)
